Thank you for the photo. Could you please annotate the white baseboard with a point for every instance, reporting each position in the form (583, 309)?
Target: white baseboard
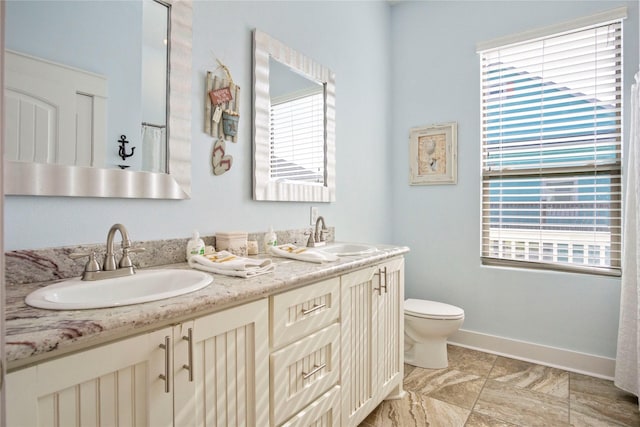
(583, 363)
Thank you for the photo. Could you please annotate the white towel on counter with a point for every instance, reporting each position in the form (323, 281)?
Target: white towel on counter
(226, 263)
(302, 253)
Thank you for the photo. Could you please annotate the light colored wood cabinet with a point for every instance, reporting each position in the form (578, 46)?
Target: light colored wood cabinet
(372, 333)
(115, 384)
(323, 354)
(230, 368)
(215, 371)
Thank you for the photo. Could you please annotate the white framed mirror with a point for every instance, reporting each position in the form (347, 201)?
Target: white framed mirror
(170, 176)
(293, 124)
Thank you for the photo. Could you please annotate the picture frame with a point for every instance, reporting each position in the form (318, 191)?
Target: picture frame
(433, 154)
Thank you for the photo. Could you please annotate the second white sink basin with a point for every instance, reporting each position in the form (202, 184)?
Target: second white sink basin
(144, 286)
(348, 249)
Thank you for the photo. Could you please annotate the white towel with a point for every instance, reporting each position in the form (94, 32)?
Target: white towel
(302, 253)
(226, 263)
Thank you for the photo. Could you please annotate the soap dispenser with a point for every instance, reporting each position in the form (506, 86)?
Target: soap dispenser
(270, 240)
(195, 246)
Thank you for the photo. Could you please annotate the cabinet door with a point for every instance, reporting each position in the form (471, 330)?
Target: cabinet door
(230, 363)
(358, 303)
(372, 334)
(389, 327)
(114, 384)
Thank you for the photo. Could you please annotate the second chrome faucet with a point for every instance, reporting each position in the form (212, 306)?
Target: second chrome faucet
(317, 236)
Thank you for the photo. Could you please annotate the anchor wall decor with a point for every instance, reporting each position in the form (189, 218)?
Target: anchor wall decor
(122, 150)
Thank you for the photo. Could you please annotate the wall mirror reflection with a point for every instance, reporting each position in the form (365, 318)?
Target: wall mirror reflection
(294, 125)
(91, 107)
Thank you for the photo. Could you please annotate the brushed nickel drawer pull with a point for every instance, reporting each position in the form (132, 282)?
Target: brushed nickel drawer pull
(314, 308)
(167, 364)
(316, 368)
(189, 367)
(386, 279)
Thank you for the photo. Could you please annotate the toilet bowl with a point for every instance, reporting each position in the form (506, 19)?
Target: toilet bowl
(427, 325)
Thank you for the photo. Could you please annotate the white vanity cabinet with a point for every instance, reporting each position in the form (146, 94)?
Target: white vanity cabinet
(305, 355)
(326, 353)
(120, 383)
(114, 384)
(221, 373)
(372, 338)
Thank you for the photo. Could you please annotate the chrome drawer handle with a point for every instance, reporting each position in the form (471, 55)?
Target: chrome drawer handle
(189, 367)
(312, 309)
(167, 364)
(315, 370)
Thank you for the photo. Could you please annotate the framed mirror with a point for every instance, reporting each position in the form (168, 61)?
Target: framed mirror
(168, 174)
(293, 124)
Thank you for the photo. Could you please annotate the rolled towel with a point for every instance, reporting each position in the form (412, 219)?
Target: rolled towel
(302, 253)
(226, 263)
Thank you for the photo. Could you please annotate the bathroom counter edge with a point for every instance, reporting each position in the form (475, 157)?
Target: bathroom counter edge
(34, 335)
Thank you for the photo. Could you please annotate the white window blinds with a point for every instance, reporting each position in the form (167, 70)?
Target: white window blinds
(297, 139)
(551, 151)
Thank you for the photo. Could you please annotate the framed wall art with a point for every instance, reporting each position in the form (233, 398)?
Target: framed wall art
(433, 154)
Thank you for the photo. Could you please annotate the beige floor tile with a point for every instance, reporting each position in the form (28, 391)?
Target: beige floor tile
(521, 406)
(407, 369)
(416, 410)
(597, 402)
(481, 420)
(543, 379)
(472, 361)
(448, 385)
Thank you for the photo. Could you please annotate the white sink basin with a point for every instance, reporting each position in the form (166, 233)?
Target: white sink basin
(144, 286)
(348, 249)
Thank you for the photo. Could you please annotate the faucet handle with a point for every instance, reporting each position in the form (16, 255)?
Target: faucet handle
(312, 241)
(91, 265)
(125, 261)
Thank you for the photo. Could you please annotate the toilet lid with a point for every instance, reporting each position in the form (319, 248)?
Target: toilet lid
(432, 309)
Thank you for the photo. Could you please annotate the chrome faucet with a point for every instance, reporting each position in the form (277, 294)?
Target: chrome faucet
(317, 238)
(110, 269)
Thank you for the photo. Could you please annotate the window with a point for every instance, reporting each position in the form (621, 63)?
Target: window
(551, 149)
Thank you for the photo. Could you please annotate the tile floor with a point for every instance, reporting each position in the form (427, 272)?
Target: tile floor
(481, 389)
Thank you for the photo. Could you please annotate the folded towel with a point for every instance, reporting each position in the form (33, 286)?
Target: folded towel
(226, 263)
(302, 253)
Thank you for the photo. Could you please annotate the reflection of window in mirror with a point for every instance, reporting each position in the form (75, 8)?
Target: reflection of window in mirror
(297, 126)
(154, 86)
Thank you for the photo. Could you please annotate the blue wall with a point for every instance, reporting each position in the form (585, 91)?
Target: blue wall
(351, 38)
(436, 79)
(397, 67)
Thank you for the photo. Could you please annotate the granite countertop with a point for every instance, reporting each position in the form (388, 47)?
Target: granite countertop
(33, 334)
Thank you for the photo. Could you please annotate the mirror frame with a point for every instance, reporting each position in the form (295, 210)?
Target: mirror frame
(38, 179)
(265, 46)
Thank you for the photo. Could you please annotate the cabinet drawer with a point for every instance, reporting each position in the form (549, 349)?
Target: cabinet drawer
(302, 371)
(324, 411)
(297, 313)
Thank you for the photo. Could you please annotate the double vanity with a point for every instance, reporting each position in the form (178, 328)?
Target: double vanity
(305, 343)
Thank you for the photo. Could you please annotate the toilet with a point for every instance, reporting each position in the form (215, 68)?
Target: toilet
(427, 325)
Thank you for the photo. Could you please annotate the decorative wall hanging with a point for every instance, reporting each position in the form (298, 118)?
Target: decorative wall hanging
(222, 106)
(219, 161)
(433, 154)
(122, 150)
